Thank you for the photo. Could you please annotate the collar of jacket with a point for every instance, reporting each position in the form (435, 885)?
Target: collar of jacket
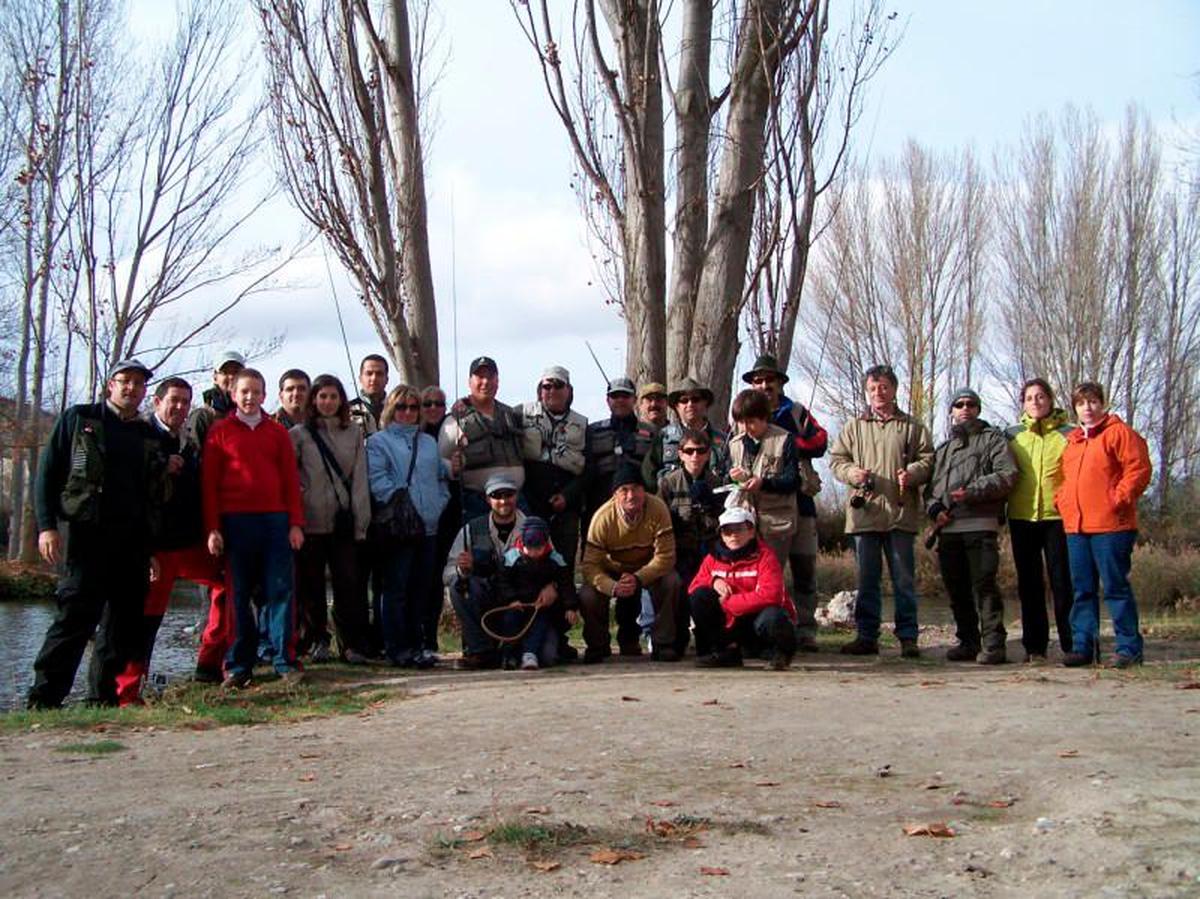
(1052, 422)
(725, 554)
(899, 415)
(969, 429)
(1083, 432)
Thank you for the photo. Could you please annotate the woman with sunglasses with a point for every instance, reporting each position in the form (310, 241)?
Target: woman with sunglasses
(337, 510)
(973, 473)
(1039, 543)
(402, 456)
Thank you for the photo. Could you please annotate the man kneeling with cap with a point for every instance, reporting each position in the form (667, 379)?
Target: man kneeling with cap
(630, 548)
(738, 600)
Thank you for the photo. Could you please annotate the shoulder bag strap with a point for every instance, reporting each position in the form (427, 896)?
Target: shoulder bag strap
(330, 461)
(412, 462)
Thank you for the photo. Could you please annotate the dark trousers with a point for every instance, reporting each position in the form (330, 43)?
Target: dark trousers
(407, 569)
(766, 632)
(260, 559)
(477, 596)
(103, 585)
(687, 563)
(342, 556)
(1033, 542)
(969, 562)
(664, 595)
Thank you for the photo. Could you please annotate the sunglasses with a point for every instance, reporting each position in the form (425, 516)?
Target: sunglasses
(434, 404)
(693, 450)
(690, 399)
(966, 404)
(552, 385)
(407, 407)
(502, 494)
(763, 379)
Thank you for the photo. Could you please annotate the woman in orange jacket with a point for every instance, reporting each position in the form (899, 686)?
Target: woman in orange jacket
(1106, 468)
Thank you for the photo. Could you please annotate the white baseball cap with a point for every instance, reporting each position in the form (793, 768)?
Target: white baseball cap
(736, 515)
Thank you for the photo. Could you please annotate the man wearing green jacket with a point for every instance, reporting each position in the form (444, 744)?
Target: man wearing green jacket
(884, 455)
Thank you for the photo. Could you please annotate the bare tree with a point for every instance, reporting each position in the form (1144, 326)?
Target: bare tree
(344, 101)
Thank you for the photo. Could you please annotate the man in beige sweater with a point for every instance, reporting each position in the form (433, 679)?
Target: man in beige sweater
(630, 548)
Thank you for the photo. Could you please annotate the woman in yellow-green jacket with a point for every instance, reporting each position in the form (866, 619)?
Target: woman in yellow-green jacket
(1034, 524)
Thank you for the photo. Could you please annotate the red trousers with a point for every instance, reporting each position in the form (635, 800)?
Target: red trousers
(194, 563)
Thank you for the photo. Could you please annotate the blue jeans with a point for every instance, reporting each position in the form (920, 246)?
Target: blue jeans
(870, 548)
(259, 557)
(1103, 559)
(407, 568)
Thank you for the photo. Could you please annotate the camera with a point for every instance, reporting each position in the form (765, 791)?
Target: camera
(859, 497)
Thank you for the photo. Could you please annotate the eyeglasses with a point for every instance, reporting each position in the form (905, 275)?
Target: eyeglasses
(690, 399)
(693, 450)
(407, 407)
(966, 404)
(552, 385)
(502, 494)
(433, 404)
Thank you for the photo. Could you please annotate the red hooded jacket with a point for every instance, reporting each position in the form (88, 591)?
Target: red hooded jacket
(757, 582)
(1106, 468)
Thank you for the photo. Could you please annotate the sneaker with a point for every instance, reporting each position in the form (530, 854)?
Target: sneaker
(424, 660)
(666, 654)
(963, 652)
(992, 657)
(1121, 660)
(293, 677)
(909, 650)
(860, 646)
(321, 653)
(353, 657)
(509, 662)
(205, 675)
(1076, 660)
(237, 681)
(529, 662)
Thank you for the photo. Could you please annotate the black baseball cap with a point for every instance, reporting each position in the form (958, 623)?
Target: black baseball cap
(484, 362)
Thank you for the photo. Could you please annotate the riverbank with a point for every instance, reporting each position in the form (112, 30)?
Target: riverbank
(630, 778)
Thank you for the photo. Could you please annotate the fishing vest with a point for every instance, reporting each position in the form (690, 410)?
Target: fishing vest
(672, 436)
(493, 442)
(609, 445)
(776, 511)
(79, 501)
(479, 534)
(363, 411)
(558, 440)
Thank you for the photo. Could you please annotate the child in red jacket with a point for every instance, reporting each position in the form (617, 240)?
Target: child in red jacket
(250, 486)
(738, 600)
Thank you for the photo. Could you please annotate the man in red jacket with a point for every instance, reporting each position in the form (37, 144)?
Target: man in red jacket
(738, 599)
(253, 514)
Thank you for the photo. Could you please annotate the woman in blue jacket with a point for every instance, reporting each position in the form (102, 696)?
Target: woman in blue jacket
(407, 565)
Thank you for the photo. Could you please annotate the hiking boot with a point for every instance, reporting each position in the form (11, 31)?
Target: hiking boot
(780, 661)
(666, 654)
(566, 652)
(1121, 660)
(730, 657)
(593, 656)
(631, 649)
(204, 675)
(472, 661)
(529, 662)
(237, 681)
(909, 649)
(860, 646)
(293, 677)
(1076, 660)
(992, 657)
(510, 662)
(963, 652)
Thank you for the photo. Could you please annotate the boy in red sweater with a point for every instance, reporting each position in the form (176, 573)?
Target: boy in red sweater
(738, 599)
(253, 514)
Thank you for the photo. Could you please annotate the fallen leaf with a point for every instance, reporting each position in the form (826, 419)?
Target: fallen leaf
(538, 810)
(738, 765)
(660, 828)
(827, 803)
(932, 829)
(472, 836)
(306, 778)
(932, 785)
(480, 852)
(630, 699)
(931, 683)
(544, 866)
(614, 856)
(1189, 685)
(766, 783)
(343, 847)
(310, 755)
(1003, 802)
(711, 702)
(663, 803)
(693, 843)
(714, 872)
(1068, 754)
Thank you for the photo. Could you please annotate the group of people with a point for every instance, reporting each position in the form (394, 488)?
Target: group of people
(686, 530)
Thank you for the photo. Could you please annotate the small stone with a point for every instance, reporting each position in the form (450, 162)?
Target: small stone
(1043, 825)
(388, 861)
(1008, 853)
(296, 841)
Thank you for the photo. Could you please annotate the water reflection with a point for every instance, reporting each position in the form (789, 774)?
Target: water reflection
(24, 625)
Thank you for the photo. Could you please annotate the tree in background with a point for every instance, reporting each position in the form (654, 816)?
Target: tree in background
(345, 100)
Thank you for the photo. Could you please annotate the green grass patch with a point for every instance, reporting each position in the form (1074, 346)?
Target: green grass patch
(97, 747)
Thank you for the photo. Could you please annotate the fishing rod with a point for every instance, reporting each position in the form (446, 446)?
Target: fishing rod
(607, 382)
(341, 322)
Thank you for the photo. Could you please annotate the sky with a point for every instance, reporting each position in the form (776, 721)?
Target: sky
(509, 250)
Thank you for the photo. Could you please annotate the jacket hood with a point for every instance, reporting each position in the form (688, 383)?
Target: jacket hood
(1083, 432)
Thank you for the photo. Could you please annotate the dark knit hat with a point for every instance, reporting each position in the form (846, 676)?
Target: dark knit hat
(535, 531)
(626, 474)
(965, 393)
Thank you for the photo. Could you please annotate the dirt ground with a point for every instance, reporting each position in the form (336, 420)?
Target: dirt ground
(698, 783)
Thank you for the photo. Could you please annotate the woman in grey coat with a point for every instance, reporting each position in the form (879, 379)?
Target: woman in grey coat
(337, 510)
